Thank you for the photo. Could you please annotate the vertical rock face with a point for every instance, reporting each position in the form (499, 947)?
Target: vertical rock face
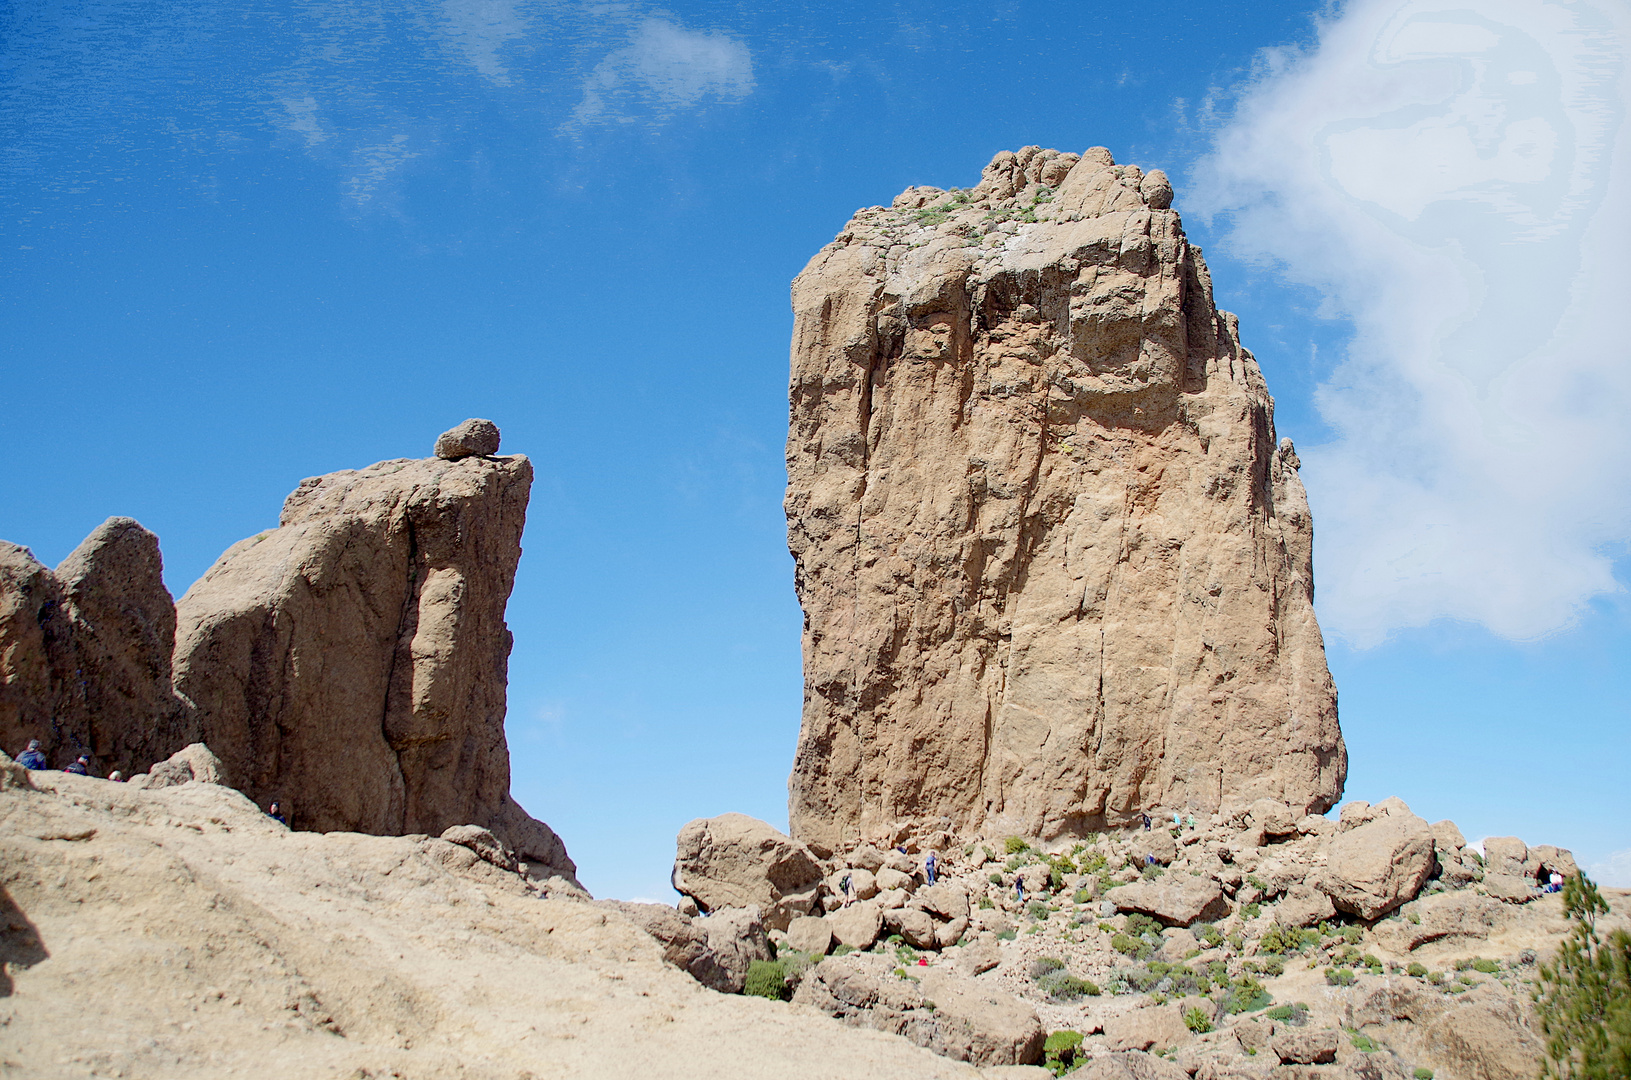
(85, 650)
(1055, 569)
(352, 662)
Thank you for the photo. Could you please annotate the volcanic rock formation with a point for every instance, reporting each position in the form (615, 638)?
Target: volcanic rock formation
(1055, 568)
(85, 650)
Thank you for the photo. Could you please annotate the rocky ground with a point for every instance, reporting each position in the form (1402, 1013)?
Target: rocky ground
(1371, 947)
(179, 932)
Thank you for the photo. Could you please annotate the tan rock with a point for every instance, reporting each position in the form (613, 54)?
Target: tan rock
(191, 762)
(488, 846)
(1355, 814)
(1040, 520)
(889, 878)
(1175, 899)
(858, 925)
(85, 652)
(351, 663)
(734, 860)
(1463, 916)
(1159, 1026)
(913, 925)
(1507, 855)
(1295, 1046)
(864, 883)
(470, 439)
(1511, 888)
(1273, 817)
(1447, 839)
(1548, 858)
(867, 858)
(810, 934)
(1486, 1038)
(736, 938)
(1304, 906)
(979, 957)
(947, 901)
(981, 1024)
(1375, 867)
(1253, 1032)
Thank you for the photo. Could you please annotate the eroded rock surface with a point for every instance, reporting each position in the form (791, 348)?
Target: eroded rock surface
(352, 662)
(734, 860)
(1054, 566)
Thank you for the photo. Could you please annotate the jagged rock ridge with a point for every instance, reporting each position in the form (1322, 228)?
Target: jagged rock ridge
(1055, 569)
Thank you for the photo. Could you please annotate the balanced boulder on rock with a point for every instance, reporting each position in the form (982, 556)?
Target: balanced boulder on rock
(734, 860)
(1374, 867)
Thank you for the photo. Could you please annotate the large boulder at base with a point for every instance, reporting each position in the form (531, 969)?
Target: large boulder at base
(1375, 867)
(1484, 1036)
(1158, 1027)
(734, 860)
(810, 934)
(736, 938)
(85, 652)
(352, 662)
(980, 1023)
(858, 925)
(1298, 1047)
(1175, 899)
(1304, 906)
(191, 762)
(1010, 630)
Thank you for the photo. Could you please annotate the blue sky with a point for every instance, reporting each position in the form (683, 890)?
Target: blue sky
(247, 243)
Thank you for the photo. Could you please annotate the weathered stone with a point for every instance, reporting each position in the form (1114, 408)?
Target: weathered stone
(890, 878)
(948, 901)
(1506, 855)
(736, 937)
(85, 652)
(1158, 1026)
(810, 934)
(1039, 517)
(1375, 867)
(1449, 915)
(734, 860)
(473, 438)
(867, 858)
(1485, 1037)
(1273, 817)
(858, 925)
(913, 925)
(947, 934)
(192, 762)
(351, 663)
(981, 1024)
(1176, 899)
(1447, 838)
(1304, 906)
(685, 943)
(1253, 1032)
(1355, 814)
(1294, 1046)
(488, 846)
(1548, 858)
(1510, 888)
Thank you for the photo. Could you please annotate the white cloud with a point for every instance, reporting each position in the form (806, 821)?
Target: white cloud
(666, 67)
(1455, 177)
(1614, 871)
(479, 29)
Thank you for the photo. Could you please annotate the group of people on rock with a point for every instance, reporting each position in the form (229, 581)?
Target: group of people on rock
(34, 758)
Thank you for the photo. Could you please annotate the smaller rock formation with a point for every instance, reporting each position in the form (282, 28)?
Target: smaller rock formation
(735, 861)
(85, 651)
(473, 438)
(190, 763)
(1179, 901)
(1376, 866)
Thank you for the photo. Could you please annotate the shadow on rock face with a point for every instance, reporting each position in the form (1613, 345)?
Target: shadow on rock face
(20, 944)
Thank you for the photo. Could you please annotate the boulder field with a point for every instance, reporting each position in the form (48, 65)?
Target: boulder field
(1238, 946)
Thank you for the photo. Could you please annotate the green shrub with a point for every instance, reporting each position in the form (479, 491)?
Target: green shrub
(1060, 1051)
(843, 950)
(1095, 863)
(1036, 909)
(1417, 970)
(1278, 940)
(1488, 967)
(1044, 964)
(1352, 933)
(1584, 994)
(1423, 1073)
(1285, 1014)
(1014, 845)
(1244, 995)
(1006, 935)
(1339, 976)
(1363, 1043)
(1130, 946)
(995, 879)
(1251, 910)
(1196, 1020)
(1082, 896)
(1208, 935)
(1151, 872)
(1061, 985)
(1273, 965)
(1256, 882)
(767, 979)
(1142, 924)
(1435, 977)
(985, 903)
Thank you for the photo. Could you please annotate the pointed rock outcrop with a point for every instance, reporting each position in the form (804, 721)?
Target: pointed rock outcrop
(1055, 567)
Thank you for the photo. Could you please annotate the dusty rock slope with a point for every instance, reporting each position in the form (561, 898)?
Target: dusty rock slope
(1055, 568)
(181, 933)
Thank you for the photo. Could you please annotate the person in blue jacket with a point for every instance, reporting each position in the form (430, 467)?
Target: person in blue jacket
(32, 758)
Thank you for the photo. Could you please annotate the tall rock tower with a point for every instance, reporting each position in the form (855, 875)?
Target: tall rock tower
(1055, 569)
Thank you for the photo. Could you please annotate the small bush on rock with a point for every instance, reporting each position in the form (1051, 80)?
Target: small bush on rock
(1416, 970)
(1063, 986)
(1014, 845)
(1196, 1020)
(1208, 935)
(1061, 1050)
(1423, 1073)
(1044, 964)
(1339, 976)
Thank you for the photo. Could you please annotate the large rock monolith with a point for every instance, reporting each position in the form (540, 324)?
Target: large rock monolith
(1055, 567)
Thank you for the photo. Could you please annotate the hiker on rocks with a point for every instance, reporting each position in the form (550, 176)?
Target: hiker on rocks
(1555, 883)
(80, 767)
(32, 758)
(1177, 820)
(275, 812)
(847, 887)
(1019, 889)
(1146, 818)
(1191, 822)
(930, 865)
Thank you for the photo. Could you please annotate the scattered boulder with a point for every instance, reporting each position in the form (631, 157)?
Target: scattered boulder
(1294, 1046)
(810, 934)
(736, 937)
(1548, 858)
(1447, 839)
(1510, 887)
(1304, 906)
(1508, 855)
(734, 860)
(191, 762)
(1355, 814)
(979, 957)
(473, 438)
(1273, 817)
(858, 925)
(1253, 1032)
(981, 1024)
(913, 925)
(947, 901)
(1155, 1026)
(485, 844)
(1374, 867)
(1175, 899)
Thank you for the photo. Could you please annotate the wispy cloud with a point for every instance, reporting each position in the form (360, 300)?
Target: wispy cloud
(1614, 871)
(479, 29)
(1455, 177)
(664, 67)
